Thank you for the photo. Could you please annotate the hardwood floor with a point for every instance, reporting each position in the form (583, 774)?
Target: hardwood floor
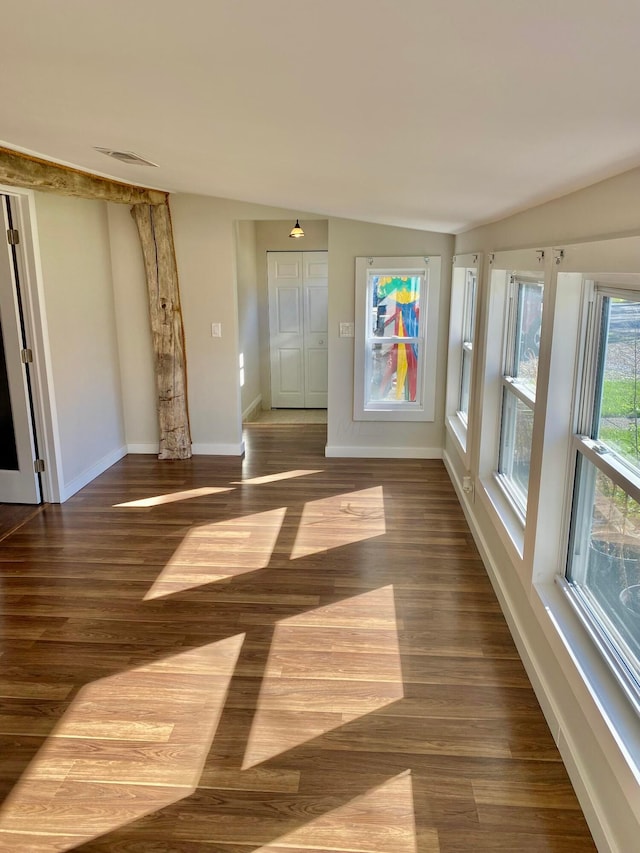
(286, 653)
(13, 516)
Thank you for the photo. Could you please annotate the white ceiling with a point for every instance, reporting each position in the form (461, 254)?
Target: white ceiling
(433, 114)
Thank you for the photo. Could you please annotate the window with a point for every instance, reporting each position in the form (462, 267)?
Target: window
(397, 300)
(395, 343)
(468, 323)
(460, 381)
(603, 569)
(522, 350)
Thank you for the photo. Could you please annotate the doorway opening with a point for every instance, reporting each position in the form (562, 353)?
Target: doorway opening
(298, 329)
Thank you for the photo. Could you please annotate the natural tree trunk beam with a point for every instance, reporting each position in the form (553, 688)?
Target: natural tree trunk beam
(151, 213)
(22, 170)
(156, 237)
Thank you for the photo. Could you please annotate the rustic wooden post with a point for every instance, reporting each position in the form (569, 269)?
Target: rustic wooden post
(156, 238)
(151, 213)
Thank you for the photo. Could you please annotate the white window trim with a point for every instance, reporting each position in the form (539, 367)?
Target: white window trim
(513, 384)
(460, 427)
(430, 268)
(505, 514)
(508, 522)
(585, 673)
(602, 458)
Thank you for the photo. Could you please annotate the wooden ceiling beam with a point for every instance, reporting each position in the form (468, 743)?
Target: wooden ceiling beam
(23, 170)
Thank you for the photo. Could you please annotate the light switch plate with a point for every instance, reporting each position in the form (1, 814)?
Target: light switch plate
(346, 330)
(216, 330)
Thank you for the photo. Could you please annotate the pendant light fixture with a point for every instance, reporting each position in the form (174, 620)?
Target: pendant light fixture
(296, 232)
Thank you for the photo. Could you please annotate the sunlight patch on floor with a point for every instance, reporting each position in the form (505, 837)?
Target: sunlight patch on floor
(129, 745)
(380, 821)
(174, 497)
(311, 686)
(340, 520)
(224, 549)
(274, 478)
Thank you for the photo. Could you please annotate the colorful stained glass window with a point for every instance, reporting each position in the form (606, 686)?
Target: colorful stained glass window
(395, 337)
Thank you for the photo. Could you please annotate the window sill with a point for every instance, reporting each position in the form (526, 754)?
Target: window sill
(610, 703)
(600, 640)
(509, 524)
(458, 432)
(393, 413)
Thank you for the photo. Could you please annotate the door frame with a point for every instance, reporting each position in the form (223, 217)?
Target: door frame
(304, 318)
(35, 323)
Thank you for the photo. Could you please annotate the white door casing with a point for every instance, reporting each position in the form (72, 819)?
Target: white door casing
(298, 284)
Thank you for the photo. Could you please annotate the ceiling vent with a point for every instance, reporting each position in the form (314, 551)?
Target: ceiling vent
(126, 157)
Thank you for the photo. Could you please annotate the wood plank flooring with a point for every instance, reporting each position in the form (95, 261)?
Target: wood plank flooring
(13, 516)
(281, 653)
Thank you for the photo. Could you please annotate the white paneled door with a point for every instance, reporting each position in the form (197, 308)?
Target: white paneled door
(298, 329)
(19, 482)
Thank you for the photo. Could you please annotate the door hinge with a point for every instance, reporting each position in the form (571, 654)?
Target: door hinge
(26, 356)
(13, 237)
(38, 466)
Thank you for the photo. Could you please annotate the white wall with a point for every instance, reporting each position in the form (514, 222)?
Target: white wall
(348, 240)
(248, 319)
(76, 274)
(588, 720)
(204, 232)
(135, 344)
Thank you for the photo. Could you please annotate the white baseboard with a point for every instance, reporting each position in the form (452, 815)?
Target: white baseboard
(143, 448)
(83, 479)
(383, 452)
(218, 449)
(196, 449)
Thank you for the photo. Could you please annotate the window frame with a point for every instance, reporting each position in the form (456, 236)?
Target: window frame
(423, 408)
(601, 458)
(463, 330)
(513, 387)
(468, 326)
(513, 530)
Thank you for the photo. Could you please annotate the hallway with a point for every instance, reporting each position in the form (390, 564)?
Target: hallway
(281, 653)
